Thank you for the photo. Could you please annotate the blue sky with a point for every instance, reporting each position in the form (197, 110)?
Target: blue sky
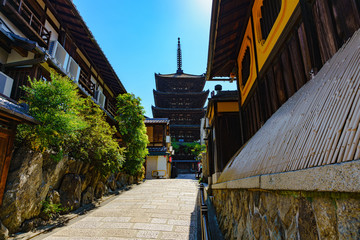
(139, 38)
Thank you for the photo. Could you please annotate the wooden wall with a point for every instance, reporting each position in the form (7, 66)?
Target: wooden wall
(322, 28)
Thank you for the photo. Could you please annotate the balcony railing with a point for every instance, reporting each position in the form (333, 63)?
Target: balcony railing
(111, 108)
(29, 17)
(85, 82)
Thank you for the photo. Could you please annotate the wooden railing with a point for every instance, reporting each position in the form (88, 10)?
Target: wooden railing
(85, 82)
(111, 108)
(25, 12)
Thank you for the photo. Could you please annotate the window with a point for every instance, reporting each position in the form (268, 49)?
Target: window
(245, 67)
(269, 12)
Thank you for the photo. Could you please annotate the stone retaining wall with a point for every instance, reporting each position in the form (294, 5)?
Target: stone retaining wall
(254, 214)
(34, 177)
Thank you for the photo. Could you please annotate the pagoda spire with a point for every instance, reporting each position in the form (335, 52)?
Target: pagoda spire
(179, 59)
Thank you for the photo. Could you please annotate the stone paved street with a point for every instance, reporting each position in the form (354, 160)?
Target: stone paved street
(155, 209)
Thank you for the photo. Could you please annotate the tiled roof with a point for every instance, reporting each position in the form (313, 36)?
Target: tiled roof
(17, 111)
(176, 75)
(156, 120)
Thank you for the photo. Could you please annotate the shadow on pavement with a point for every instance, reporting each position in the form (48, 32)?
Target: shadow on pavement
(186, 176)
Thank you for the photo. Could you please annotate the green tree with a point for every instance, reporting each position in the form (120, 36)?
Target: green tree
(56, 105)
(130, 117)
(96, 144)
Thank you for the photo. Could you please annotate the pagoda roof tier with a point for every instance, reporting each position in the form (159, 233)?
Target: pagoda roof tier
(180, 116)
(185, 126)
(179, 82)
(176, 110)
(180, 99)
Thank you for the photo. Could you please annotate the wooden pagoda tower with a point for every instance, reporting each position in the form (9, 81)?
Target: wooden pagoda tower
(180, 98)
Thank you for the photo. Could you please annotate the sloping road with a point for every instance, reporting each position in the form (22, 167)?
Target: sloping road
(155, 209)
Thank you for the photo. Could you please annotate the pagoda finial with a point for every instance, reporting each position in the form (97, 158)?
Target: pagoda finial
(179, 58)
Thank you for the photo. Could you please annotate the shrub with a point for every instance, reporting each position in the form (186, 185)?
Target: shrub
(130, 117)
(96, 144)
(69, 124)
(51, 210)
(56, 105)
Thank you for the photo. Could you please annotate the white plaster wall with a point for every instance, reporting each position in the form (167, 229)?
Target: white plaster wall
(15, 57)
(161, 165)
(151, 165)
(54, 35)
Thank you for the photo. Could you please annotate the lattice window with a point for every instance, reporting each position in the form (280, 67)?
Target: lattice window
(245, 66)
(269, 12)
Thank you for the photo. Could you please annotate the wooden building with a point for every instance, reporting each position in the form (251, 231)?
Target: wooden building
(39, 35)
(36, 37)
(11, 114)
(273, 48)
(180, 98)
(158, 162)
(222, 130)
(296, 64)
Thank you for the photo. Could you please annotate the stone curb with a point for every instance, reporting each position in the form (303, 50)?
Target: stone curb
(70, 216)
(341, 177)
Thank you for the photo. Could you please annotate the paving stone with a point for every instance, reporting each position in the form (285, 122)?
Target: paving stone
(140, 219)
(174, 235)
(116, 219)
(86, 225)
(156, 209)
(129, 233)
(148, 234)
(153, 226)
(116, 225)
(158, 220)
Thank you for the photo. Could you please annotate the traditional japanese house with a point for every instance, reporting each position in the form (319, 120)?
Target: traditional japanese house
(158, 162)
(298, 75)
(39, 35)
(222, 128)
(36, 37)
(11, 114)
(180, 98)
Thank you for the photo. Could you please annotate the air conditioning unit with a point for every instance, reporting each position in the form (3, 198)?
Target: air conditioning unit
(100, 98)
(59, 55)
(6, 83)
(73, 70)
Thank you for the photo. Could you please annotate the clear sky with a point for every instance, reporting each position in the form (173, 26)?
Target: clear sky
(139, 39)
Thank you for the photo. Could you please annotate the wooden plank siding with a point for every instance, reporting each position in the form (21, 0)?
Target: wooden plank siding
(304, 50)
(318, 125)
(7, 137)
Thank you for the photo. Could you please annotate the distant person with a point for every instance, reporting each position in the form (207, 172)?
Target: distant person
(199, 171)
(174, 172)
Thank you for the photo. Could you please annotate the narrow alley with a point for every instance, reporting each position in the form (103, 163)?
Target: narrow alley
(155, 209)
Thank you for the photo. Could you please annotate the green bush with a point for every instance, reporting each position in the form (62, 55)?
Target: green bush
(56, 105)
(193, 148)
(69, 124)
(130, 117)
(96, 144)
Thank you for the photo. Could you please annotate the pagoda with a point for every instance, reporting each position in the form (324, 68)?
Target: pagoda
(180, 98)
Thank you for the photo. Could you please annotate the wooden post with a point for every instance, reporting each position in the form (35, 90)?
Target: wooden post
(20, 6)
(311, 36)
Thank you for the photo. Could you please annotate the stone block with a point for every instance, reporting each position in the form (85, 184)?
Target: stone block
(70, 191)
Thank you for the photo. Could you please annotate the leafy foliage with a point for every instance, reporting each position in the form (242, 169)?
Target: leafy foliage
(56, 105)
(70, 125)
(96, 143)
(130, 117)
(193, 148)
(50, 209)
